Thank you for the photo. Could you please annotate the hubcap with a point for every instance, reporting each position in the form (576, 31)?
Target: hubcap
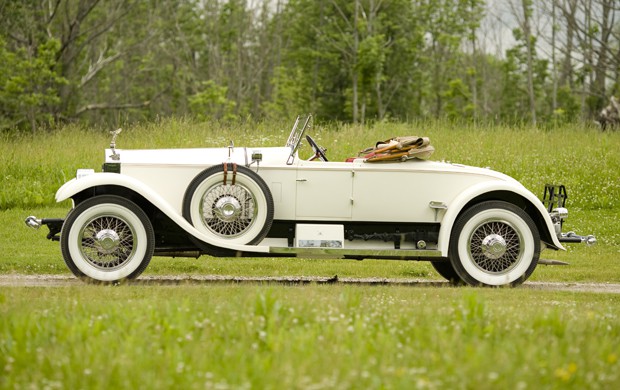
(495, 247)
(108, 242)
(228, 210)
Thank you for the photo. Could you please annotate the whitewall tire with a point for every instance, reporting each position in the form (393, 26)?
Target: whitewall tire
(107, 238)
(494, 243)
(234, 206)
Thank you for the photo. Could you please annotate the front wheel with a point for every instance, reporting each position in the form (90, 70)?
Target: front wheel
(107, 238)
(494, 243)
(446, 270)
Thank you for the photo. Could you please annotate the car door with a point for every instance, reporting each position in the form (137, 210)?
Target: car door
(324, 191)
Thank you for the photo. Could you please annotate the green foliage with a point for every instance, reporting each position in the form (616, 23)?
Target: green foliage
(211, 103)
(568, 109)
(29, 85)
(115, 62)
(458, 100)
(289, 93)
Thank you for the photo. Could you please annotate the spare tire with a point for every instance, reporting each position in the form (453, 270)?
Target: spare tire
(230, 203)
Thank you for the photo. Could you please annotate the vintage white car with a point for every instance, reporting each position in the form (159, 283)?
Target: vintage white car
(475, 225)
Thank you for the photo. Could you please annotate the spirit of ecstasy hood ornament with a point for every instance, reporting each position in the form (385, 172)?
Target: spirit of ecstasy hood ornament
(115, 156)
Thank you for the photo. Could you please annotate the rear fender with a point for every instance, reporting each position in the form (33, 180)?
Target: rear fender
(476, 193)
(76, 186)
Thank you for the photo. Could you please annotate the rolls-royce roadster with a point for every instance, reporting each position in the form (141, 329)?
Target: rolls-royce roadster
(476, 226)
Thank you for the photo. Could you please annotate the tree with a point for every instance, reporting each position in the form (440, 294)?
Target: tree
(29, 85)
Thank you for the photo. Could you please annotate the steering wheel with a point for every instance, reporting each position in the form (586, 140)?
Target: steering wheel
(319, 151)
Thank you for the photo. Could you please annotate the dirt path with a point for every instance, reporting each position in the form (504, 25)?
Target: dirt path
(11, 280)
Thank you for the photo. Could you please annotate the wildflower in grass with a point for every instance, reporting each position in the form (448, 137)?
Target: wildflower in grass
(566, 373)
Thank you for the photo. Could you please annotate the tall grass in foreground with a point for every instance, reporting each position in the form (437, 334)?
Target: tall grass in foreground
(309, 337)
(586, 160)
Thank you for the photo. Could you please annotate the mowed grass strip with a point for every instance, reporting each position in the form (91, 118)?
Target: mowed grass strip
(312, 336)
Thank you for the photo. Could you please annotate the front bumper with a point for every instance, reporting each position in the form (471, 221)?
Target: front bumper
(53, 224)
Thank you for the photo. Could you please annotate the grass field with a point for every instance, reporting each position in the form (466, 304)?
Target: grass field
(307, 337)
(314, 336)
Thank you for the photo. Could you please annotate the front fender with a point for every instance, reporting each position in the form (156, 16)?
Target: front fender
(75, 186)
(458, 204)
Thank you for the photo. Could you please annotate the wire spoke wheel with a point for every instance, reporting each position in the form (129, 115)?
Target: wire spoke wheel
(107, 242)
(232, 205)
(495, 246)
(494, 243)
(228, 210)
(107, 238)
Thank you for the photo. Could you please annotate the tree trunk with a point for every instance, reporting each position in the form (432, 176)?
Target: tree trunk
(355, 78)
(530, 60)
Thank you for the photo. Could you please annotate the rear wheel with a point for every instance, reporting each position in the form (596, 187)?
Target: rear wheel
(494, 243)
(107, 238)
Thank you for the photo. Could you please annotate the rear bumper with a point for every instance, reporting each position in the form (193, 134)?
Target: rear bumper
(555, 200)
(571, 237)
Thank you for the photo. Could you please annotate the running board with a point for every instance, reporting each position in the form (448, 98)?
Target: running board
(339, 253)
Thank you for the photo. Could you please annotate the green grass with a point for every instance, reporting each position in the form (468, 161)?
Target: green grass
(299, 337)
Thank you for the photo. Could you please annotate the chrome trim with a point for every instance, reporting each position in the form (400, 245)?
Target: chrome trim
(437, 206)
(493, 246)
(114, 156)
(107, 241)
(434, 204)
(558, 214)
(572, 237)
(33, 222)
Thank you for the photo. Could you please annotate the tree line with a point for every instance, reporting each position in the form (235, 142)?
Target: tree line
(114, 61)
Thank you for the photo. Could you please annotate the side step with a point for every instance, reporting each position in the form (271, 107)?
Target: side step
(340, 253)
